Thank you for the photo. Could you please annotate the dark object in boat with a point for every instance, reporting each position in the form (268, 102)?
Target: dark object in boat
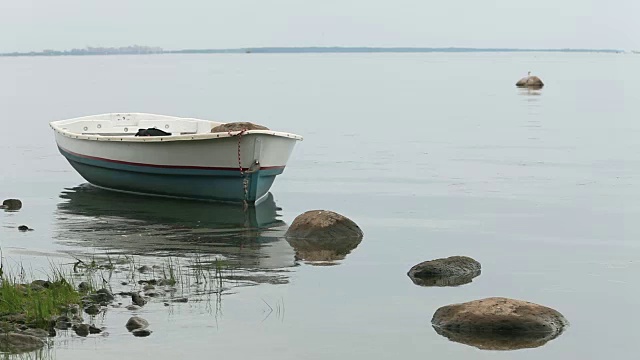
(238, 126)
(152, 132)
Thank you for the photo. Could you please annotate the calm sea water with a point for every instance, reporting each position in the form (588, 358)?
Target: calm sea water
(432, 155)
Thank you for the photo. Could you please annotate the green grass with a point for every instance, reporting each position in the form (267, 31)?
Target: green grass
(38, 306)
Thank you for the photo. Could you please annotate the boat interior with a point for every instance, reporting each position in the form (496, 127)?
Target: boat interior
(132, 124)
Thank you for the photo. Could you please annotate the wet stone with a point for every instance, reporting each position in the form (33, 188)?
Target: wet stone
(499, 323)
(451, 271)
(19, 343)
(94, 330)
(11, 204)
(166, 282)
(81, 329)
(136, 322)
(106, 294)
(141, 332)
(133, 307)
(84, 286)
(92, 309)
(137, 299)
(72, 309)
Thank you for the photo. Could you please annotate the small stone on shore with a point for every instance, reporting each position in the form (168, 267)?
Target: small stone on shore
(136, 322)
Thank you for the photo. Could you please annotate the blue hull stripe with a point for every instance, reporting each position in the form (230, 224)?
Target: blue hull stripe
(196, 183)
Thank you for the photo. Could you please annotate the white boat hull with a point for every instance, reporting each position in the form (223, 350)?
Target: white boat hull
(220, 166)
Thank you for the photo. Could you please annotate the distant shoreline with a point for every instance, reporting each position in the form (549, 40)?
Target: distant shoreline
(141, 50)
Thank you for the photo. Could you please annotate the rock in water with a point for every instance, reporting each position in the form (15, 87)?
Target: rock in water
(530, 81)
(141, 332)
(84, 286)
(499, 323)
(18, 343)
(451, 271)
(92, 309)
(323, 224)
(94, 330)
(81, 329)
(136, 322)
(137, 299)
(12, 204)
(24, 228)
(237, 126)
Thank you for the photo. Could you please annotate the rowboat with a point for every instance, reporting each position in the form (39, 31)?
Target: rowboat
(177, 157)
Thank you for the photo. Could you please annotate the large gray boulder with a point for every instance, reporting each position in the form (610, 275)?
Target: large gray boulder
(322, 237)
(323, 224)
(499, 323)
(451, 271)
(19, 343)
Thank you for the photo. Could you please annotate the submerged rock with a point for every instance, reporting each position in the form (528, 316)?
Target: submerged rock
(499, 323)
(81, 329)
(103, 296)
(141, 332)
(84, 286)
(451, 271)
(94, 330)
(323, 224)
(92, 309)
(18, 343)
(144, 269)
(136, 322)
(132, 307)
(530, 81)
(24, 228)
(238, 126)
(137, 299)
(11, 204)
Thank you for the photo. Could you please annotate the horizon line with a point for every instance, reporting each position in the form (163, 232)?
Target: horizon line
(141, 49)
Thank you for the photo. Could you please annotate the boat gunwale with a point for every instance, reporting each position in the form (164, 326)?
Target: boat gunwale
(55, 125)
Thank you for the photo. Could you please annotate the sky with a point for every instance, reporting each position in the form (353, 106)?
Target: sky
(34, 25)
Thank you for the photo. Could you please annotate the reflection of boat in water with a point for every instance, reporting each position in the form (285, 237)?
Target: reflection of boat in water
(139, 225)
(91, 201)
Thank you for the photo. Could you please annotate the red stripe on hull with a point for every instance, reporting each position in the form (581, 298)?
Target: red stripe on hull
(168, 166)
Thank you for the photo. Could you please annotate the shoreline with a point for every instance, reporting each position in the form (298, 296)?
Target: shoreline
(303, 50)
